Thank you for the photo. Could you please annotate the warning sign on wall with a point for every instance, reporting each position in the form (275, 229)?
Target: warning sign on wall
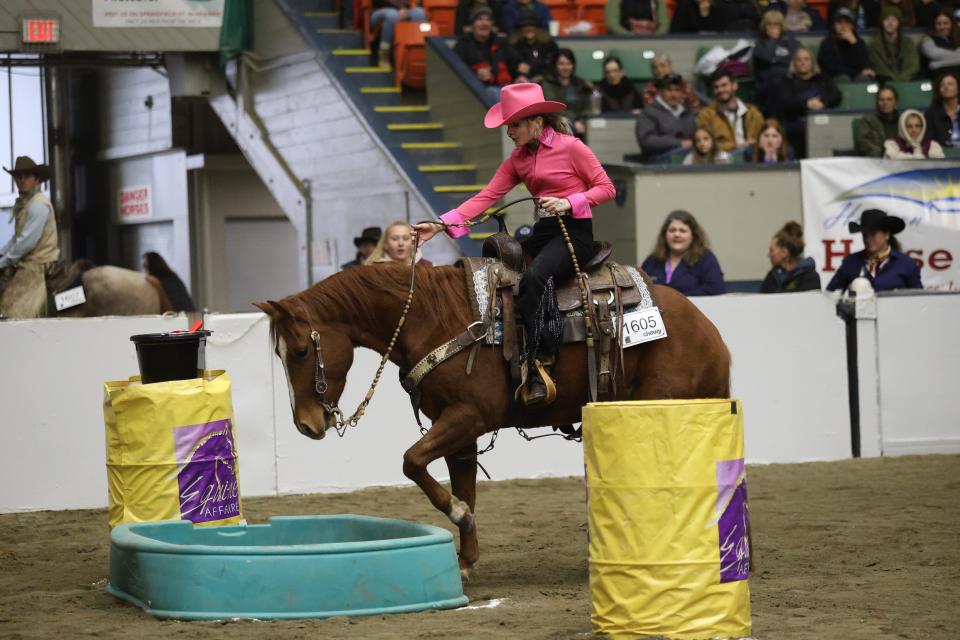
(134, 203)
(158, 13)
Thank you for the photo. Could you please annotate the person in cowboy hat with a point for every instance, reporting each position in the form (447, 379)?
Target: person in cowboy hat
(34, 248)
(365, 243)
(569, 181)
(881, 261)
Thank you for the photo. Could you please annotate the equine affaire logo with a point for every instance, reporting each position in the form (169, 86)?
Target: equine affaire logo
(207, 476)
(836, 191)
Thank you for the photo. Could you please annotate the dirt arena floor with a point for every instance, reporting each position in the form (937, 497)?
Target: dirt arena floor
(844, 550)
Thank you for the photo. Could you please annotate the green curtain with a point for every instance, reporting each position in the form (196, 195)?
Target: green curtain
(236, 33)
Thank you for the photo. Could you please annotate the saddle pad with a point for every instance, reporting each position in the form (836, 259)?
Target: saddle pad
(496, 336)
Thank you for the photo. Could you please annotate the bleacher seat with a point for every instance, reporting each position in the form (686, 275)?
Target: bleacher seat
(861, 96)
(593, 11)
(409, 57)
(636, 61)
(916, 94)
(562, 10)
(442, 13)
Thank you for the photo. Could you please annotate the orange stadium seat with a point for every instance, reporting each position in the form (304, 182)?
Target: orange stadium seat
(592, 11)
(409, 57)
(562, 10)
(442, 13)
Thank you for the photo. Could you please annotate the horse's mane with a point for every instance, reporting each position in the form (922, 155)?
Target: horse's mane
(351, 295)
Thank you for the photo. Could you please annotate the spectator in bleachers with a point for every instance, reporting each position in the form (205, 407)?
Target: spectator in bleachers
(881, 125)
(893, 56)
(535, 50)
(881, 260)
(488, 55)
(465, 8)
(732, 123)
(514, 10)
(661, 66)
(772, 54)
(799, 18)
(924, 12)
(562, 84)
(665, 127)
(941, 47)
(866, 13)
(388, 13)
(617, 91)
(682, 258)
(705, 150)
(803, 91)
(790, 271)
(771, 144)
(740, 16)
(365, 243)
(942, 116)
(910, 144)
(843, 54)
(636, 17)
(698, 16)
(396, 245)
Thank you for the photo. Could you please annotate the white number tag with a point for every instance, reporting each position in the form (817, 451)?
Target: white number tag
(69, 298)
(642, 326)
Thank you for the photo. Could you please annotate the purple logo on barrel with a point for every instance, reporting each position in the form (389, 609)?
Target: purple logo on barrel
(208, 474)
(733, 520)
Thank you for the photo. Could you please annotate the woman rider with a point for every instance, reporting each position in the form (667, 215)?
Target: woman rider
(569, 181)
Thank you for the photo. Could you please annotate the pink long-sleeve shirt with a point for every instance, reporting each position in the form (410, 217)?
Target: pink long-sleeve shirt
(563, 167)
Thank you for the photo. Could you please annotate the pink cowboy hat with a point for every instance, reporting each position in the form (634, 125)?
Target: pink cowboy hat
(517, 101)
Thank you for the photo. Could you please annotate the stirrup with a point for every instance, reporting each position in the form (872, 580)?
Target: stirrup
(540, 390)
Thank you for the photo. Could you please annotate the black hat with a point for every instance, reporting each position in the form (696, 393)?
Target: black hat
(480, 11)
(25, 164)
(874, 219)
(529, 19)
(669, 80)
(844, 14)
(370, 234)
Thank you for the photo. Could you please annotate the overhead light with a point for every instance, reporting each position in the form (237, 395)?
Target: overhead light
(649, 54)
(598, 54)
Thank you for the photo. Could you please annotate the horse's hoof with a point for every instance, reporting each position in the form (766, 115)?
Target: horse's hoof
(465, 574)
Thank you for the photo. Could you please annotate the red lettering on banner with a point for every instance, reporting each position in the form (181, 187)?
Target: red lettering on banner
(830, 254)
(940, 260)
(916, 254)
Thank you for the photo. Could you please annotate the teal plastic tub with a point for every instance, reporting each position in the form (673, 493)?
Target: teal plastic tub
(291, 567)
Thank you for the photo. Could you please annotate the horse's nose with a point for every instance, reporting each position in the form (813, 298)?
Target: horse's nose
(310, 433)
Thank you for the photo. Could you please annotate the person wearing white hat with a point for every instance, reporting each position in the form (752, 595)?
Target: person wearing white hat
(569, 181)
(34, 248)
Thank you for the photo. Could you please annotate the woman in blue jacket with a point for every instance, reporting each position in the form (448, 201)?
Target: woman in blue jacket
(682, 258)
(881, 262)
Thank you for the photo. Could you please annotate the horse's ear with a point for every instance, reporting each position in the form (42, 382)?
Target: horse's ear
(272, 308)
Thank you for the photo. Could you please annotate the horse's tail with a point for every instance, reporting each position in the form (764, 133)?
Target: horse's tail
(165, 304)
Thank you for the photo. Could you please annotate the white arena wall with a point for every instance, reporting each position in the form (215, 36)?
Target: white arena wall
(789, 369)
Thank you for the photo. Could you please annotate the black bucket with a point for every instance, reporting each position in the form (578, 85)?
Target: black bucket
(170, 356)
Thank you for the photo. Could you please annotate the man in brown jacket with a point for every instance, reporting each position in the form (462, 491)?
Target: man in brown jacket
(733, 124)
(34, 248)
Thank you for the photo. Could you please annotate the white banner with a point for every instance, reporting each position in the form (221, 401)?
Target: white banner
(157, 13)
(925, 194)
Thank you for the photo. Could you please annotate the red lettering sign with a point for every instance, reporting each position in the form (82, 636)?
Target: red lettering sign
(830, 254)
(940, 260)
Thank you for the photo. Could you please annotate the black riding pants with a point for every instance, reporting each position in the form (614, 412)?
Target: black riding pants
(551, 259)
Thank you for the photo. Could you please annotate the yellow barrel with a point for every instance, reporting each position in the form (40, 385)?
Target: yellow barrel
(171, 451)
(668, 519)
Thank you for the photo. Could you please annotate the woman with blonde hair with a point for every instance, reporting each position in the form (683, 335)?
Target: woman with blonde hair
(790, 271)
(396, 245)
(805, 90)
(772, 54)
(705, 150)
(682, 259)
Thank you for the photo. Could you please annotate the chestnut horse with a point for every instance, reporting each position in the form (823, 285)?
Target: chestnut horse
(361, 307)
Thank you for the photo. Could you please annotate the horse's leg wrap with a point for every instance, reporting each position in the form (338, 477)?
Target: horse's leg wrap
(460, 514)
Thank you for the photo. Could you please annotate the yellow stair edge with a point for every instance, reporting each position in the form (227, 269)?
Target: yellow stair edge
(379, 89)
(415, 126)
(435, 168)
(369, 70)
(402, 109)
(481, 235)
(351, 52)
(458, 188)
(431, 145)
